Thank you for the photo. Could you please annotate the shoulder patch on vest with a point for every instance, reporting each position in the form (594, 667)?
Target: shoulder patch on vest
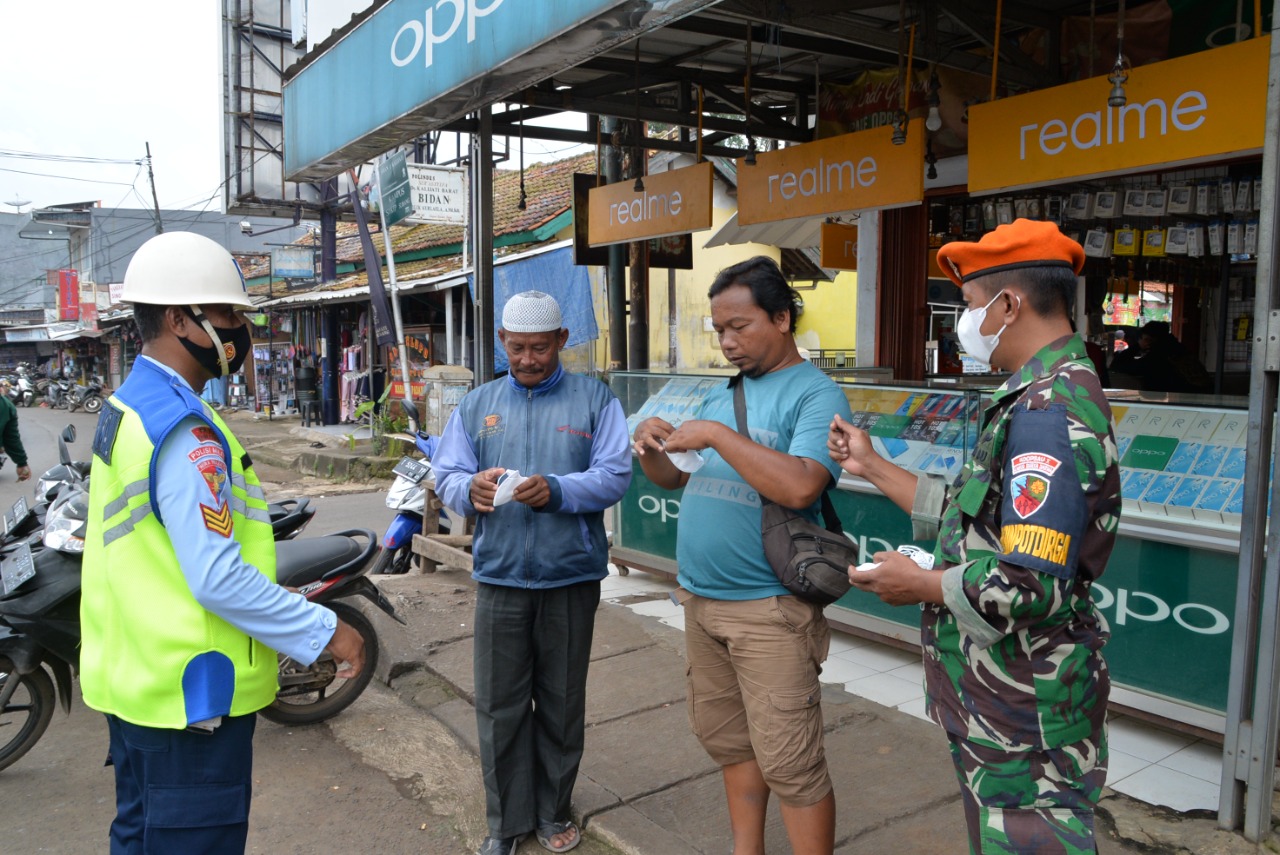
(104, 438)
(246, 462)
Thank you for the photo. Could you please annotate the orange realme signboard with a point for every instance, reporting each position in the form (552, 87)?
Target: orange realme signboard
(851, 172)
(672, 203)
(839, 246)
(1206, 106)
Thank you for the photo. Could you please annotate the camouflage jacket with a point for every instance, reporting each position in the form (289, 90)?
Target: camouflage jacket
(1013, 659)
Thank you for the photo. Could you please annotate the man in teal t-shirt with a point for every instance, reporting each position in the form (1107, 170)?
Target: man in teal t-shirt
(754, 650)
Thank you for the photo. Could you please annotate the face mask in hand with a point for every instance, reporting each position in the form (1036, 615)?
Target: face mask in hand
(969, 331)
(228, 351)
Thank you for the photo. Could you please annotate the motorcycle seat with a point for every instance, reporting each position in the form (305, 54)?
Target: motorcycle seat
(300, 562)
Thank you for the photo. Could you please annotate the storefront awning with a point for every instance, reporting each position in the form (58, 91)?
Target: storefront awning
(788, 234)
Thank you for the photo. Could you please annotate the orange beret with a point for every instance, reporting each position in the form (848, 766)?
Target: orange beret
(1022, 243)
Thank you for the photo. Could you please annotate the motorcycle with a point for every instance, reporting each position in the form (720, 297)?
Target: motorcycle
(408, 498)
(57, 393)
(40, 609)
(89, 397)
(327, 570)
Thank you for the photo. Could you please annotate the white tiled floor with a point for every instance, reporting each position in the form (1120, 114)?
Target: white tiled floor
(1147, 763)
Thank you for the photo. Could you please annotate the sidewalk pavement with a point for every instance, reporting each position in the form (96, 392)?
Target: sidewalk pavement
(646, 786)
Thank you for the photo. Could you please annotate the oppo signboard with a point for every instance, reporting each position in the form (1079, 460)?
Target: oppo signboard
(412, 66)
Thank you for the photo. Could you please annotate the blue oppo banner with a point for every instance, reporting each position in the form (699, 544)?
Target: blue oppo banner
(417, 64)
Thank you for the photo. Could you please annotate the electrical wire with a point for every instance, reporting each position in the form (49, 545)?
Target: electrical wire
(64, 158)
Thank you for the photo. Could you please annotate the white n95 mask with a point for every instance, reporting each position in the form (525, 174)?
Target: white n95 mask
(969, 331)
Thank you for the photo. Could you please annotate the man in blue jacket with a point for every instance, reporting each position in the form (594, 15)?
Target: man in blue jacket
(539, 554)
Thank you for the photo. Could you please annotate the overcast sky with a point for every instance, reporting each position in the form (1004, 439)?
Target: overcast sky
(101, 79)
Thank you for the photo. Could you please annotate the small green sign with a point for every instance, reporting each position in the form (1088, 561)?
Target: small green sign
(393, 184)
(1150, 452)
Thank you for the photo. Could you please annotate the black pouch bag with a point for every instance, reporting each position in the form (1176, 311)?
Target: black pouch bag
(810, 561)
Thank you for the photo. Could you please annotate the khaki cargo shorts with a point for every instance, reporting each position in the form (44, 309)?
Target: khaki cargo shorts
(753, 688)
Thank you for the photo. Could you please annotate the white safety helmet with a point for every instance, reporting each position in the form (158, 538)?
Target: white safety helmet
(184, 268)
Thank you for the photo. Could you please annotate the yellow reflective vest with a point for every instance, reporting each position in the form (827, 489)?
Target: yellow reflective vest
(151, 654)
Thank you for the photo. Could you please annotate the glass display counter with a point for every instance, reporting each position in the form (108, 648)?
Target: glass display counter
(1169, 589)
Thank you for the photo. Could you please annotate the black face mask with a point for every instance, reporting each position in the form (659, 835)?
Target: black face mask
(234, 341)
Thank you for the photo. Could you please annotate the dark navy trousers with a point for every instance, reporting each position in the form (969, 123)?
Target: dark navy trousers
(181, 790)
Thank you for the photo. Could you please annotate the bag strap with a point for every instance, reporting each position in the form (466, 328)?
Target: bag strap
(829, 518)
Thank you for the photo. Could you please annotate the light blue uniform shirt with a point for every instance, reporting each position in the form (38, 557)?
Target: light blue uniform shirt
(220, 580)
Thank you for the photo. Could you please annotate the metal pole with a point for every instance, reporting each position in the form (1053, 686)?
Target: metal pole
(448, 326)
(1253, 713)
(617, 281)
(482, 234)
(395, 303)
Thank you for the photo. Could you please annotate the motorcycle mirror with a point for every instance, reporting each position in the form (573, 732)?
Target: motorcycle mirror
(68, 435)
(410, 412)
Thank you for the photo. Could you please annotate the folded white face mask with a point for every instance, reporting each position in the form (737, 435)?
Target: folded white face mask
(507, 483)
(686, 461)
(922, 557)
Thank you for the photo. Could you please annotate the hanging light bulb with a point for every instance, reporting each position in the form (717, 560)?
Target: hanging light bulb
(751, 152)
(931, 159)
(639, 186)
(933, 122)
(899, 127)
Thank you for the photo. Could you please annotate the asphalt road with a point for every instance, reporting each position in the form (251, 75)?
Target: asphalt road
(312, 792)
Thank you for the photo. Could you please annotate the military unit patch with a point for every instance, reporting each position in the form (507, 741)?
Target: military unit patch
(215, 475)
(217, 520)
(1031, 473)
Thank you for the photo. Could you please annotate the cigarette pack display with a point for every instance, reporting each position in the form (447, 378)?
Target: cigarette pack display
(1181, 199)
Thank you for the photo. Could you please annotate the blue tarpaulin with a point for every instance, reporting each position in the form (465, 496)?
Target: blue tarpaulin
(553, 273)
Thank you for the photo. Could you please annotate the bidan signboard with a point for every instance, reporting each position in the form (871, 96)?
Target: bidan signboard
(671, 203)
(1206, 106)
(851, 172)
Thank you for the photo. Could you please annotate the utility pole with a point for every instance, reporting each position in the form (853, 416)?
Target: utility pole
(154, 200)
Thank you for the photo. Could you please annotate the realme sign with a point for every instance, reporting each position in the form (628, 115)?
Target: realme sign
(414, 65)
(839, 246)
(1206, 106)
(672, 203)
(851, 172)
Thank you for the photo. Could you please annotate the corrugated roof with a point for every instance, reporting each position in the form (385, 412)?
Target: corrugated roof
(548, 192)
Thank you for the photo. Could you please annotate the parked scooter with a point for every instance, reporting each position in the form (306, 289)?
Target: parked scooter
(89, 397)
(408, 498)
(57, 393)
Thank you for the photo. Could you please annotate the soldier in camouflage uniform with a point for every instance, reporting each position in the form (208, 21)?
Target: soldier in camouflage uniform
(1012, 641)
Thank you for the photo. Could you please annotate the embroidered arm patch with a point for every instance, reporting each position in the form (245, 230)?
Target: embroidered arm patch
(104, 437)
(1043, 514)
(217, 519)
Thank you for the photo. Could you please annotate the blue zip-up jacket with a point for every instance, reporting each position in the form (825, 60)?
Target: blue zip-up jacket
(569, 429)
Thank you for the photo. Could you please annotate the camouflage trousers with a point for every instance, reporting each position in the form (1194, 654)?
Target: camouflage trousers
(1032, 802)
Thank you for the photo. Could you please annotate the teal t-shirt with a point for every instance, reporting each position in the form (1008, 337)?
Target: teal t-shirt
(718, 546)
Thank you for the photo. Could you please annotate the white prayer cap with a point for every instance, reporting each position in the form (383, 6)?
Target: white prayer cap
(531, 312)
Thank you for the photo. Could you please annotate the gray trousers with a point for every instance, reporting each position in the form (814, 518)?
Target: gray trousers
(532, 648)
